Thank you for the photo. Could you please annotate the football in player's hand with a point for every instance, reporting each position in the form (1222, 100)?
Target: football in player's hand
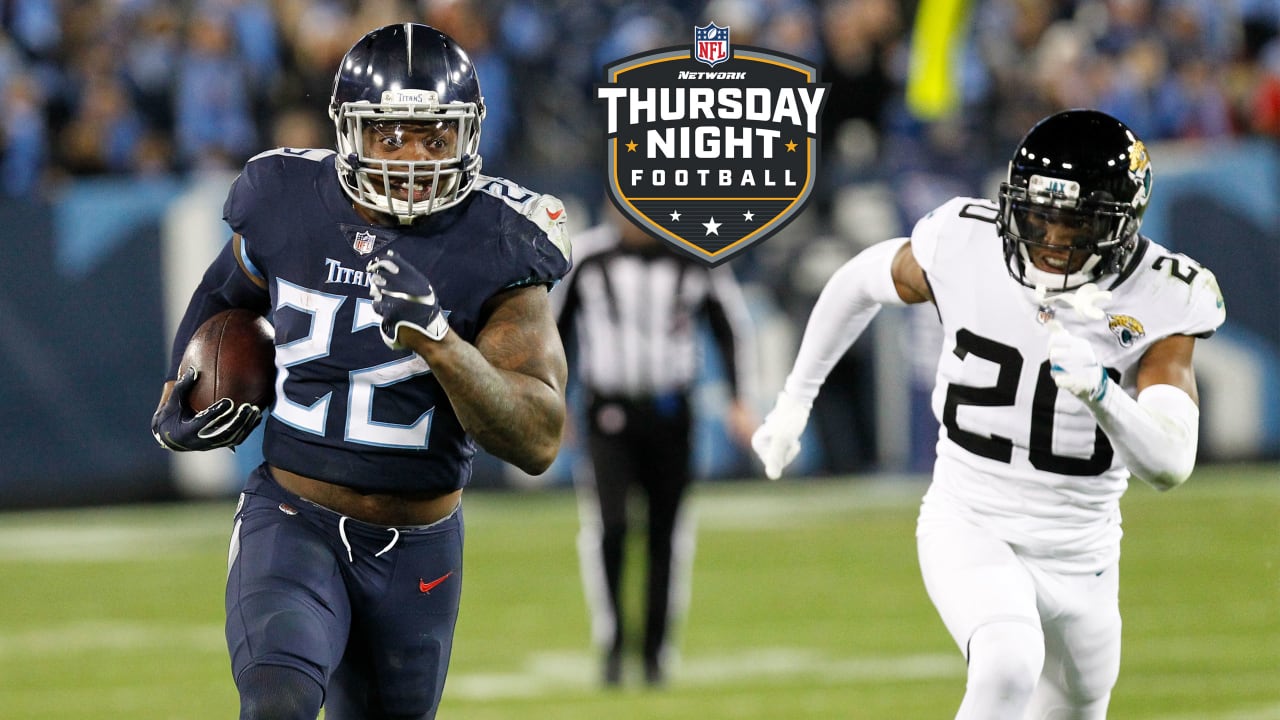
(234, 354)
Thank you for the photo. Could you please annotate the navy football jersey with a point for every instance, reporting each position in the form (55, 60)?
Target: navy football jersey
(349, 410)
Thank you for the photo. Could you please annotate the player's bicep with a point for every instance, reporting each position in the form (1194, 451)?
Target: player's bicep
(1168, 362)
(908, 276)
(520, 336)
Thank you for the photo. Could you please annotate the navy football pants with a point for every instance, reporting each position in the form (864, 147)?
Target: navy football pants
(366, 611)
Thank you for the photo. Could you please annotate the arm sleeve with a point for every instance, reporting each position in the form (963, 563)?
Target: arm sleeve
(847, 305)
(1155, 435)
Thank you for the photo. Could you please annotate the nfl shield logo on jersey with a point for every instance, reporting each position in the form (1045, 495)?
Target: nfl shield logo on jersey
(363, 243)
(711, 44)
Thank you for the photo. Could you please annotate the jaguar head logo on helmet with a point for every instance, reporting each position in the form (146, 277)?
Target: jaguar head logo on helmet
(407, 109)
(1073, 200)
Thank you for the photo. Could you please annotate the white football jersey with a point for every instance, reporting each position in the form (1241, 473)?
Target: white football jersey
(1028, 460)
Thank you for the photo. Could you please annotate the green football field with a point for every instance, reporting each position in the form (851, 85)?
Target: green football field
(806, 604)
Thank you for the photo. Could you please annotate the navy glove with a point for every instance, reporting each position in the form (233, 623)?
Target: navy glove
(177, 427)
(403, 296)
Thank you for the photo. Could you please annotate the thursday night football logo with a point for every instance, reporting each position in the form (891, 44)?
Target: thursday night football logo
(711, 147)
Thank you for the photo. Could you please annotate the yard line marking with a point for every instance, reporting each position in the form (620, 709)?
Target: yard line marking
(775, 505)
(1270, 712)
(755, 505)
(75, 638)
(550, 673)
(60, 542)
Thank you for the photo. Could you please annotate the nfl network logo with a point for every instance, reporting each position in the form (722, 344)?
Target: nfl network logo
(711, 161)
(711, 44)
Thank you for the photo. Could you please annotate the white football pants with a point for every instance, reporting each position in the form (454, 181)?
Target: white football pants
(1040, 645)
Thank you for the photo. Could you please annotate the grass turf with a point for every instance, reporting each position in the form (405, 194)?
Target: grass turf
(806, 604)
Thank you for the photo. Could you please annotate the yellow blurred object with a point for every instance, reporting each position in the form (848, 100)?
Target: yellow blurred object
(936, 39)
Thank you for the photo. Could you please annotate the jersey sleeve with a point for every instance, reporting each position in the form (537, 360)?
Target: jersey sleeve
(240, 201)
(259, 185)
(252, 207)
(538, 240)
(1205, 307)
(928, 232)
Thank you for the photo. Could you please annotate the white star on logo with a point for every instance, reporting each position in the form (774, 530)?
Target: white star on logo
(675, 216)
(713, 227)
(748, 216)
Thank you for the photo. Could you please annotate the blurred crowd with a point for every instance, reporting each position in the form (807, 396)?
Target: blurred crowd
(134, 87)
(154, 86)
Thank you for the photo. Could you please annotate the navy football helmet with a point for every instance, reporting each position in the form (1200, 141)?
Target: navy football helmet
(1087, 171)
(406, 73)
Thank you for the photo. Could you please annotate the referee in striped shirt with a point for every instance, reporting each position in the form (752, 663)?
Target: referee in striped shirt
(636, 310)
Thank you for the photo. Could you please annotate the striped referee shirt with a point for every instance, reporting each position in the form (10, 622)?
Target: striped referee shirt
(635, 312)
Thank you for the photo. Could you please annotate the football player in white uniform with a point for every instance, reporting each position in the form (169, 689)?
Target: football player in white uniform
(1066, 367)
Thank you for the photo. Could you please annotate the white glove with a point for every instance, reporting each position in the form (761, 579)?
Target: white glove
(1085, 300)
(777, 441)
(1074, 366)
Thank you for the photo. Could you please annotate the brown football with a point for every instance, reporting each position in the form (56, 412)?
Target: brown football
(234, 352)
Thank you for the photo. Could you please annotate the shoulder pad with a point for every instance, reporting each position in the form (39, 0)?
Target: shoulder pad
(946, 221)
(545, 211)
(1205, 302)
(272, 165)
(1187, 290)
(267, 179)
(266, 172)
(312, 154)
(548, 214)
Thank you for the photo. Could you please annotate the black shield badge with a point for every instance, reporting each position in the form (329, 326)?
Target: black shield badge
(711, 160)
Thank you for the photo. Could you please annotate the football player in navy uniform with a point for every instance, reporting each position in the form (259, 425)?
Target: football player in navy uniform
(1065, 369)
(408, 293)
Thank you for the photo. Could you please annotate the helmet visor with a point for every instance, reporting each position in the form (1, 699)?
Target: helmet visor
(1061, 227)
(1052, 221)
(1062, 242)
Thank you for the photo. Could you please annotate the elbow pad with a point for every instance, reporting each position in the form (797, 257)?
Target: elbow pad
(1156, 435)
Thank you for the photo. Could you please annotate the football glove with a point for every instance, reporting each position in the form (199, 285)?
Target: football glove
(777, 441)
(1074, 366)
(1085, 300)
(403, 296)
(223, 424)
